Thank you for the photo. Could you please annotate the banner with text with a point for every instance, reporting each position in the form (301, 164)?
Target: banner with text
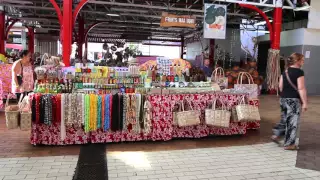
(215, 21)
(171, 20)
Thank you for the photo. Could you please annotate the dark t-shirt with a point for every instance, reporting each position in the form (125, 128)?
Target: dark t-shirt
(207, 70)
(288, 91)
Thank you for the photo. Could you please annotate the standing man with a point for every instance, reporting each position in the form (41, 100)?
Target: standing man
(206, 68)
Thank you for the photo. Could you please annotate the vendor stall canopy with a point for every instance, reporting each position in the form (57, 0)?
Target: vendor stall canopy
(137, 20)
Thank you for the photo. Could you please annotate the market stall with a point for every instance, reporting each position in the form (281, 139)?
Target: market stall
(161, 125)
(100, 104)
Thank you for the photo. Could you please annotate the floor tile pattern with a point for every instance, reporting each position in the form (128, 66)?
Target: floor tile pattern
(309, 152)
(255, 162)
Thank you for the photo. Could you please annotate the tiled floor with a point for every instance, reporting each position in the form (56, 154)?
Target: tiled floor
(309, 152)
(255, 162)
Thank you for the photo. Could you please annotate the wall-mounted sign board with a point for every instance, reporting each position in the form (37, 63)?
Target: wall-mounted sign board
(171, 20)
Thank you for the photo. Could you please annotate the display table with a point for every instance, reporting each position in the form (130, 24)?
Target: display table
(162, 123)
(5, 77)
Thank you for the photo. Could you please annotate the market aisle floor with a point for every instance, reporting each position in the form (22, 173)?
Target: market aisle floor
(263, 161)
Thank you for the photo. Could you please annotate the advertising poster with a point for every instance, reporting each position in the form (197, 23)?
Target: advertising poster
(215, 21)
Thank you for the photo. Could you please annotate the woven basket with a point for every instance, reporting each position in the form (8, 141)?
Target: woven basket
(25, 121)
(218, 117)
(188, 118)
(12, 115)
(247, 112)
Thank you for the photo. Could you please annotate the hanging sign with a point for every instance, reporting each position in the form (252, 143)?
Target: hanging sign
(215, 21)
(171, 20)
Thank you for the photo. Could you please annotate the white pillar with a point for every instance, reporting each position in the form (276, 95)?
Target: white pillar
(24, 39)
(314, 15)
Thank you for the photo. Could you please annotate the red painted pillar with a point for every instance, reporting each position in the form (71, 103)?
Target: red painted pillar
(67, 31)
(277, 23)
(2, 32)
(80, 36)
(31, 40)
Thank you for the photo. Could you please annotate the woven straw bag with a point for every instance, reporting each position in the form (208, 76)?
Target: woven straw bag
(246, 112)
(187, 118)
(25, 114)
(12, 114)
(218, 77)
(218, 117)
(251, 88)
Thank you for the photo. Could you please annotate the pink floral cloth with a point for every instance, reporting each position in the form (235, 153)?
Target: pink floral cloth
(28, 81)
(162, 124)
(6, 78)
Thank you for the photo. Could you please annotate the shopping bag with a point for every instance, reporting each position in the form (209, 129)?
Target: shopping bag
(218, 77)
(25, 114)
(246, 112)
(250, 88)
(12, 114)
(187, 118)
(217, 117)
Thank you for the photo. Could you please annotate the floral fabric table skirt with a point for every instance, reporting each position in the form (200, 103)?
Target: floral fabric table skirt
(1, 95)
(5, 77)
(162, 124)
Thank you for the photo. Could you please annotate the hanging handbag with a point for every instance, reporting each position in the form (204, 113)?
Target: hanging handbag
(41, 70)
(20, 76)
(218, 77)
(188, 118)
(217, 117)
(250, 88)
(25, 114)
(246, 112)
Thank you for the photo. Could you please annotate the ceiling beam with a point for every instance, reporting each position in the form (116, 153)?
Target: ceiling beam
(157, 7)
(262, 3)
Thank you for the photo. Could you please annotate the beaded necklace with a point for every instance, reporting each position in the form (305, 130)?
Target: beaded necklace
(102, 111)
(92, 111)
(126, 100)
(62, 127)
(110, 111)
(37, 98)
(83, 108)
(87, 113)
(99, 116)
(66, 107)
(58, 108)
(47, 109)
(106, 112)
(54, 108)
(138, 109)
